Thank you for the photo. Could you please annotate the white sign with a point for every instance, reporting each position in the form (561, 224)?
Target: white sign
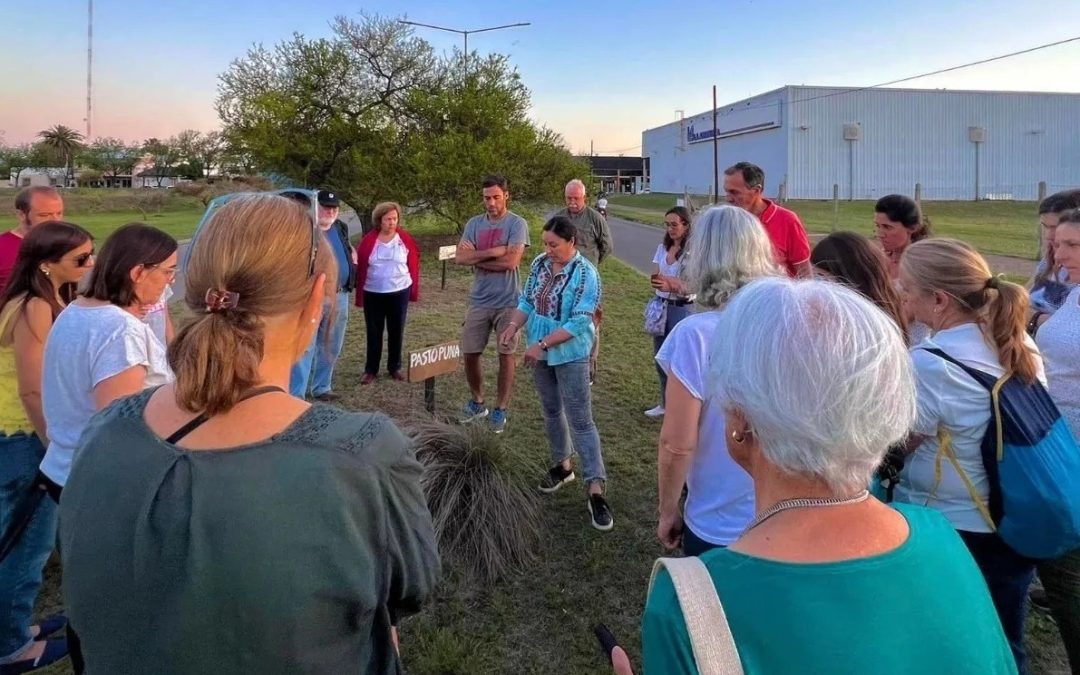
(447, 252)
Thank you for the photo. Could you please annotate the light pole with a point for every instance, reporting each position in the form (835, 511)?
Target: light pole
(464, 33)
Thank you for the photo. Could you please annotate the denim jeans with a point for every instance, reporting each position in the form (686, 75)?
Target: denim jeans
(315, 369)
(674, 316)
(1008, 576)
(385, 312)
(566, 401)
(1061, 579)
(693, 545)
(21, 570)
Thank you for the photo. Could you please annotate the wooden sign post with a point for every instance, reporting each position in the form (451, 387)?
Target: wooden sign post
(446, 253)
(425, 364)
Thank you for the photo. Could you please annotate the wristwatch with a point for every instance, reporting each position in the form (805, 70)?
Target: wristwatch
(543, 344)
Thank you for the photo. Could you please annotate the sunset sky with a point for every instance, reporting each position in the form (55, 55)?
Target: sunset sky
(598, 71)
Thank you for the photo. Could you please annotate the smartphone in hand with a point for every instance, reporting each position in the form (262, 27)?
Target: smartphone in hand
(606, 639)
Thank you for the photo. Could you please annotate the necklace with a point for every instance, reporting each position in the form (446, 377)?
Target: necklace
(804, 503)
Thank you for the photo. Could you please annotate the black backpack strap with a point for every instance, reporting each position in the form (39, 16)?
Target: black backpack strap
(203, 417)
(983, 378)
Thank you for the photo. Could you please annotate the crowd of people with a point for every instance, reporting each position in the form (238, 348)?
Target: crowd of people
(821, 463)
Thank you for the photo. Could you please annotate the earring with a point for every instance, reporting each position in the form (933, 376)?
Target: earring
(737, 437)
(45, 270)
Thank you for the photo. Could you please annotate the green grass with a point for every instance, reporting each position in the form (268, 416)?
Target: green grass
(179, 224)
(1002, 228)
(540, 621)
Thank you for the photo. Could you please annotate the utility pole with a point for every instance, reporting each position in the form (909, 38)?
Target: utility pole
(464, 33)
(715, 151)
(89, 68)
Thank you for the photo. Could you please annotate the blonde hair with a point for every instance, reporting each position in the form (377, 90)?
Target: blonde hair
(1000, 307)
(258, 246)
(380, 210)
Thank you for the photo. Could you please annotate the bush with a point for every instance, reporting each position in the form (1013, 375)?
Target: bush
(487, 518)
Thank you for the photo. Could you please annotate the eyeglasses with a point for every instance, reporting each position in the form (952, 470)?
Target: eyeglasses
(83, 259)
(314, 247)
(170, 272)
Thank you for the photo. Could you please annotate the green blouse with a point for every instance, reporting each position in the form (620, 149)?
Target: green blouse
(293, 555)
(922, 608)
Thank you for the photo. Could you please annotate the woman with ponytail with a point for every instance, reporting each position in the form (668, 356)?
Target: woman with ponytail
(977, 319)
(218, 524)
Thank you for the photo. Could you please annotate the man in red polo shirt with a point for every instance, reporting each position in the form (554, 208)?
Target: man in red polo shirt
(744, 183)
(33, 205)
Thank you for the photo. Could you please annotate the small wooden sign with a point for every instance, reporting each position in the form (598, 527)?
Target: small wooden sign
(447, 252)
(431, 361)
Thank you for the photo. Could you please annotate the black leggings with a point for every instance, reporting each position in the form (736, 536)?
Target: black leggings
(385, 311)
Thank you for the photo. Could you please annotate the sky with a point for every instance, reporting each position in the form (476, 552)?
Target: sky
(600, 73)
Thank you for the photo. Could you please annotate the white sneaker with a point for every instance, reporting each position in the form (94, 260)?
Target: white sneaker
(658, 411)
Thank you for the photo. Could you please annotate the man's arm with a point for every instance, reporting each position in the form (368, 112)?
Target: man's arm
(804, 270)
(605, 246)
(507, 261)
(467, 254)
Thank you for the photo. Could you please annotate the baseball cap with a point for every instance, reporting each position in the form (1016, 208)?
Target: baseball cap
(327, 198)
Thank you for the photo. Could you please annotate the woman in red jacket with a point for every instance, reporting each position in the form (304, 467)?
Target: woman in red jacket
(387, 279)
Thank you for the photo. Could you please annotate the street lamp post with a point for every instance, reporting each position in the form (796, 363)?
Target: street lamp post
(464, 33)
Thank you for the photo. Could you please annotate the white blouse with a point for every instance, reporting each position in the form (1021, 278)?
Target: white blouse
(388, 267)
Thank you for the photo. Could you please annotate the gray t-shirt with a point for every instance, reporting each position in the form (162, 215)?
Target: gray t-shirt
(495, 290)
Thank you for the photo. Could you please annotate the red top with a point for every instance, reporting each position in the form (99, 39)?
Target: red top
(363, 255)
(788, 237)
(9, 252)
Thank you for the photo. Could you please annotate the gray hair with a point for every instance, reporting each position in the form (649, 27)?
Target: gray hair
(821, 374)
(576, 183)
(728, 248)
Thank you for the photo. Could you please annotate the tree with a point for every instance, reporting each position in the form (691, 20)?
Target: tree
(112, 157)
(14, 159)
(66, 142)
(163, 154)
(208, 149)
(373, 113)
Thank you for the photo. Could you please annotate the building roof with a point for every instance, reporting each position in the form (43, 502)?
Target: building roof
(610, 166)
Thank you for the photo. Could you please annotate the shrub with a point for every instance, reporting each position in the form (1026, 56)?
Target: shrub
(487, 518)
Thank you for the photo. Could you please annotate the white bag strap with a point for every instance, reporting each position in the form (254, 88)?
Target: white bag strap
(710, 636)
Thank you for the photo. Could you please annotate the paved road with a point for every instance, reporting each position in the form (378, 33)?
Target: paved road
(635, 244)
(348, 217)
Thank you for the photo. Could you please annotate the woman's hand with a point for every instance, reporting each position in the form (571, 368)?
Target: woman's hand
(661, 283)
(508, 335)
(670, 530)
(533, 354)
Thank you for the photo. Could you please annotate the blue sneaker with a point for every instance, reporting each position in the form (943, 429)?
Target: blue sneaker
(473, 411)
(498, 420)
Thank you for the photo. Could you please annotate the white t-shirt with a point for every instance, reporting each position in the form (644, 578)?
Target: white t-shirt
(720, 499)
(388, 267)
(948, 398)
(601, 203)
(1059, 342)
(86, 346)
(156, 313)
(672, 270)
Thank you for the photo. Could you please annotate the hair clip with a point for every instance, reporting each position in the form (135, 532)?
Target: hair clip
(219, 301)
(994, 282)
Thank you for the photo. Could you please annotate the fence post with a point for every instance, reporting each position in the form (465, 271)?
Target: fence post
(783, 193)
(918, 194)
(835, 206)
(1042, 190)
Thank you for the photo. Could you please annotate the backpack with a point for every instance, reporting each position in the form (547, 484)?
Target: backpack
(1032, 464)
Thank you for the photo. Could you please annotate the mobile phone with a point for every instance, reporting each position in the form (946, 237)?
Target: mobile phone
(606, 639)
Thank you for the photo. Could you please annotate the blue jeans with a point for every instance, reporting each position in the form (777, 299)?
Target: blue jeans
(315, 369)
(1008, 576)
(1061, 579)
(674, 316)
(21, 570)
(566, 401)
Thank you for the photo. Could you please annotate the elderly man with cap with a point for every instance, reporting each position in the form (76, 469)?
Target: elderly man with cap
(315, 371)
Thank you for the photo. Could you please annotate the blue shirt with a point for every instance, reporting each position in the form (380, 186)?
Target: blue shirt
(341, 255)
(568, 300)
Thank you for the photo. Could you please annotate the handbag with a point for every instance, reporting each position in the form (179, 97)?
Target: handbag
(656, 316)
(714, 647)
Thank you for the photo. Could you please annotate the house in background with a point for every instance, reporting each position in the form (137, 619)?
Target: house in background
(38, 176)
(157, 177)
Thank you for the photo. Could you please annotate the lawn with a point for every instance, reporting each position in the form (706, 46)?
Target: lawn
(1003, 228)
(539, 622)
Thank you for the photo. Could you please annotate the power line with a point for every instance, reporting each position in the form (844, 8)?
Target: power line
(615, 152)
(908, 79)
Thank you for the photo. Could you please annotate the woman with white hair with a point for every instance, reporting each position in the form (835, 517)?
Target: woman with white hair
(730, 249)
(825, 579)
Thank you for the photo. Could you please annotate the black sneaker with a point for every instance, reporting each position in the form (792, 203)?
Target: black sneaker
(600, 513)
(556, 477)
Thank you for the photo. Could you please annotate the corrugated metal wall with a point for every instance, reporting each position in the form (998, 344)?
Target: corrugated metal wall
(676, 163)
(911, 136)
(907, 137)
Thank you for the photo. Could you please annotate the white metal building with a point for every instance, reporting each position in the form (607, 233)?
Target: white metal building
(873, 142)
